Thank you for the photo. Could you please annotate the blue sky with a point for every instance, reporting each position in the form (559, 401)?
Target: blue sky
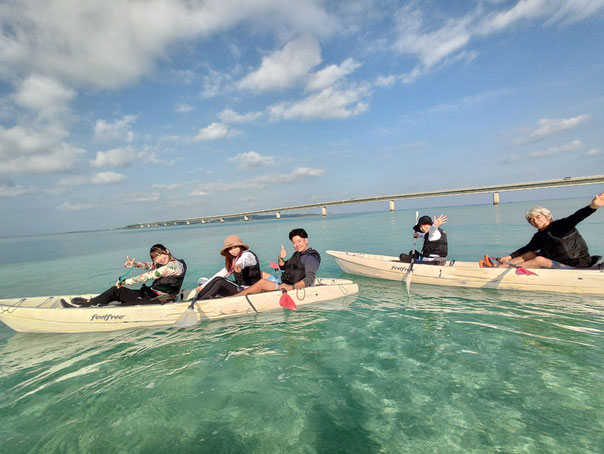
(113, 113)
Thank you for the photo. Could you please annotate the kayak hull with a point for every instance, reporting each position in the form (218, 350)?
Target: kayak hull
(46, 315)
(469, 274)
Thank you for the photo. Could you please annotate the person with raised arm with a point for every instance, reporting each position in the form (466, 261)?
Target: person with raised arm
(167, 272)
(436, 247)
(557, 243)
(298, 272)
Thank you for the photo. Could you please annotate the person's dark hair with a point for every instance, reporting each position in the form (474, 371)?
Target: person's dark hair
(298, 232)
(229, 260)
(157, 249)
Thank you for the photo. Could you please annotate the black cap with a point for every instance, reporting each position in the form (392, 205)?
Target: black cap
(422, 220)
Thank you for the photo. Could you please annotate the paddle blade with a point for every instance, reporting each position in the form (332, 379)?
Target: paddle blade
(287, 302)
(187, 319)
(521, 270)
(274, 266)
(408, 282)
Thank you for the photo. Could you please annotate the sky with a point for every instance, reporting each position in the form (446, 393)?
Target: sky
(114, 113)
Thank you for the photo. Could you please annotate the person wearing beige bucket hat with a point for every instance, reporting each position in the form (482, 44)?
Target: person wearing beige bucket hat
(239, 262)
(232, 241)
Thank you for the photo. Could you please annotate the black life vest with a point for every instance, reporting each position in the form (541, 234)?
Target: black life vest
(570, 249)
(438, 247)
(250, 274)
(294, 270)
(170, 284)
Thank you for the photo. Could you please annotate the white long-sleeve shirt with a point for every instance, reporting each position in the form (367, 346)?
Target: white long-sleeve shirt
(246, 259)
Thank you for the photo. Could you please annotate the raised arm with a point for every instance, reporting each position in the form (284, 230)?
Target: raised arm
(438, 221)
(597, 201)
(172, 268)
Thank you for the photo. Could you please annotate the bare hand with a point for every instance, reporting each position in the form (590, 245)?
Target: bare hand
(283, 253)
(237, 268)
(597, 202)
(285, 287)
(199, 287)
(129, 262)
(442, 219)
(416, 235)
(119, 284)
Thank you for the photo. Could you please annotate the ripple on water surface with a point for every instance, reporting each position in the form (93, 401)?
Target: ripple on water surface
(446, 370)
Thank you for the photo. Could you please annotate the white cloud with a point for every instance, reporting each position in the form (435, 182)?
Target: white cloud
(230, 116)
(101, 178)
(593, 152)
(285, 67)
(572, 146)
(43, 95)
(214, 131)
(212, 84)
(119, 129)
(549, 126)
(429, 47)
(553, 11)
(522, 10)
(546, 153)
(142, 198)
(199, 192)
(434, 46)
(24, 151)
(112, 44)
(183, 108)
(69, 206)
(14, 190)
(257, 182)
(251, 160)
(116, 157)
(108, 178)
(302, 173)
(328, 76)
(385, 81)
(167, 187)
(329, 103)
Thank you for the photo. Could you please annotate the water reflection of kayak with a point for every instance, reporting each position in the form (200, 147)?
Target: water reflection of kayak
(45, 314)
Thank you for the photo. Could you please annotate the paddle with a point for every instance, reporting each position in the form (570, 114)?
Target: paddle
(285, 301)
(519, 269)
(122, 278)
(189, 317)
(409, 274)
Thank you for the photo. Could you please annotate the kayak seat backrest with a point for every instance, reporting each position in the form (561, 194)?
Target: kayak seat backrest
(597, 262)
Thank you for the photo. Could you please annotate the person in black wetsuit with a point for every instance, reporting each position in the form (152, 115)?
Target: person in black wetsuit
(557, 244)
(167, 272)
(298, 272)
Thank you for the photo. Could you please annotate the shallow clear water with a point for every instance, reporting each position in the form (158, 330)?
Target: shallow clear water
(449, 370)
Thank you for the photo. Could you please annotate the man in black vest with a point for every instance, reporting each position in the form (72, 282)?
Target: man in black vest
(557, 244)
(298, 272)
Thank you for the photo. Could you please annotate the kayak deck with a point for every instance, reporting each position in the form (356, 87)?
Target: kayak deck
(46, 315)
(469, 274)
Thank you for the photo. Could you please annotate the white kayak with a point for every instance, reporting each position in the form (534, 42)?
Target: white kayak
(45, 314)
(469, 274)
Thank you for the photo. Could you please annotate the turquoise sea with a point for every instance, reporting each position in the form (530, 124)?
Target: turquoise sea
(447, 370)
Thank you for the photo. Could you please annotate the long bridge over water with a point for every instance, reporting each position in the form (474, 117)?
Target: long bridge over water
(495, 190)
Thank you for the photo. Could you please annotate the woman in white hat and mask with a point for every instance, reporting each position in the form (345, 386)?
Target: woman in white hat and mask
(239, 262)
